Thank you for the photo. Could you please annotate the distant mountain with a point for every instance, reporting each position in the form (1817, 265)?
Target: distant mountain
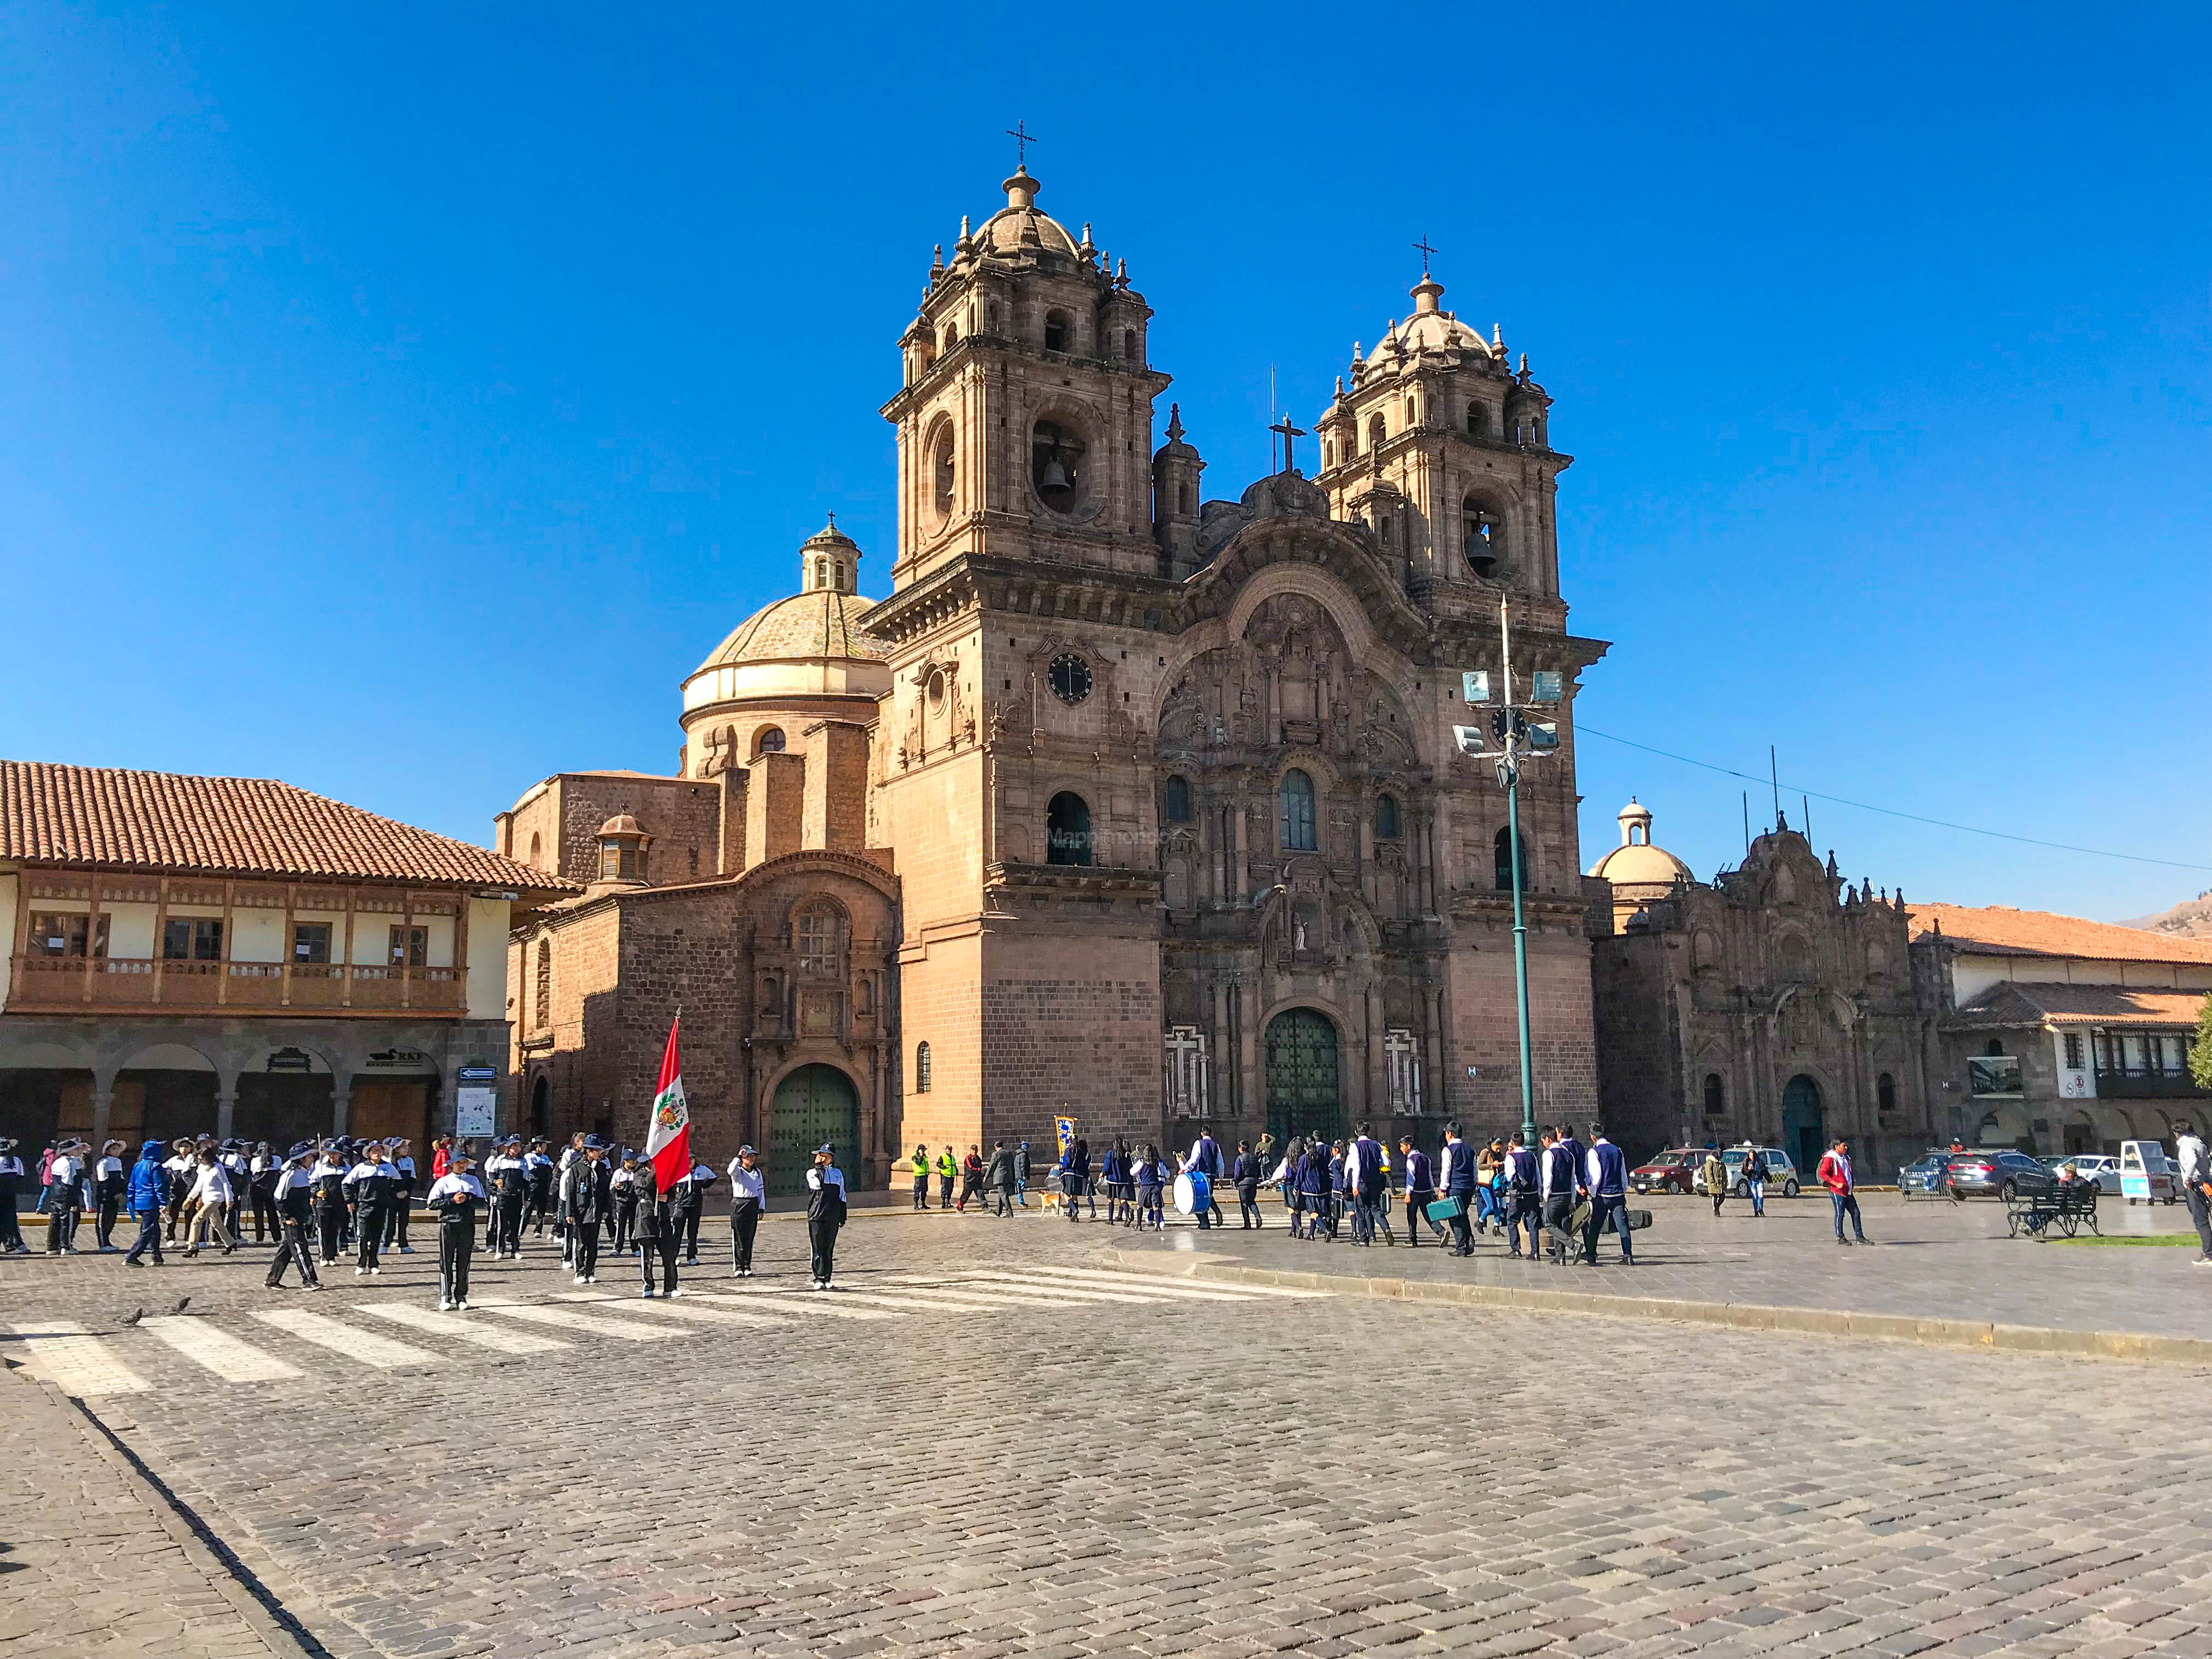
(2191, 919)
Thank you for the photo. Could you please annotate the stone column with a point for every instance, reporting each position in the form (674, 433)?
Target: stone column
(226, 1107)
(341, 1102)
(103, 1102)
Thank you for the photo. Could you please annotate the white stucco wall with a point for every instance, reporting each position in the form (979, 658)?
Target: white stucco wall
(488, 925)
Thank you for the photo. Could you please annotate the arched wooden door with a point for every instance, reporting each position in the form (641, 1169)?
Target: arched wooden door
(1302, 1076)
(1804, 1133)
(815, 1104)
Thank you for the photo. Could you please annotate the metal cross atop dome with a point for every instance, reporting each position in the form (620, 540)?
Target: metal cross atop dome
(1423, 244)
(1022, 138)
(1290, 433)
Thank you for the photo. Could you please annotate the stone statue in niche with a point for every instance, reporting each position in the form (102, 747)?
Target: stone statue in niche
(1298, 933)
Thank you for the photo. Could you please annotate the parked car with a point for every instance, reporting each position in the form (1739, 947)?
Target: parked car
(1781, 1171)
(1927, 1176)
(1674, 1171)
(2090, 1166)
(2004, 1173)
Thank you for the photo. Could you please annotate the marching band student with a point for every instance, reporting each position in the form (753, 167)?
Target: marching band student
(263, 1171)
(1605, 1175)
(181, 1165)
(540, 1199)
(569, 1155)
(685, 1206)
(294, 1197)
(209, 1197)
(370, 1184)
(11, 1186)
(1522, 1209)
(1420, 1191)
(825, 1212)
(508, 1177)
(1311, 1200)
(748, 1202)
(328, 1178)
(145, 1194)
(401, 1155)
(63, 1171)
(624, 1185)
(922, 1177)
(1205, 1158)
(455, 1195)
(587, 1195)
(1146, 1172)
(1555, 1193)
(656, 1229)
(1246, 1175)
(107, 1184)
(239, 1168)
(1456, 1173)
(1113, 1170)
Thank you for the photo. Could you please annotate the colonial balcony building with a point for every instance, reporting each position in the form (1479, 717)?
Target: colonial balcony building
(186, 954)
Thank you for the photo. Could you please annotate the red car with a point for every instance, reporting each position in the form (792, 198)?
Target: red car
(1673, 1171)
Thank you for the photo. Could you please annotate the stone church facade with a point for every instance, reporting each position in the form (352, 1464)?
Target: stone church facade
(1125, 803)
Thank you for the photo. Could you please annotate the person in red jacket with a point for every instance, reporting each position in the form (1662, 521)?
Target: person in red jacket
(441, 1156)
(1842, 1191)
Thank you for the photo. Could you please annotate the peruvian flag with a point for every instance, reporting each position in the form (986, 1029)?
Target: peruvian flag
(668, 1136)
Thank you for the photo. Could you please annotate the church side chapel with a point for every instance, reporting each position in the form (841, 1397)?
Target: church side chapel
(1126, 802)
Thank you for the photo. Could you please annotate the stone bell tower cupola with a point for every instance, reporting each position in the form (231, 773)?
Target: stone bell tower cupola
(1443, 450)
(1025, 421)
(829, 560)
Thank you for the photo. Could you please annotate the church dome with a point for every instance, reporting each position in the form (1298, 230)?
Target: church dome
(809, 644)
(1635, 862)
(1431, 328)
(1018, 228)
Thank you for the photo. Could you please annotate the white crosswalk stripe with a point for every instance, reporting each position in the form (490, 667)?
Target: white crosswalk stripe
(569, 1320)
(939, 1293)
(688, 1308)
(834, 1304)
(229, 1356)
(74, 1361)
(1163, 1289)
(1071, 1293)
(461, 1328)
(1240, 1290)
(381, 1352)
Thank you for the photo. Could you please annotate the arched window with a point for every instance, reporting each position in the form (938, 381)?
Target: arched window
(1715, 1096)
(1377, 431)
(1412, 412)
(1994, 1046)
(1295, 797)
(545, 998)
(951, 335)
(770, 742)
(1129, 344)
(1184, 505)
(535, 852)
(1176, 801)
(1386, 818)
(922, 1068)
(1885, 1095)
(815, 935)
(1067, 829)
(1485, 537)
(1502, 862)
(1477, 421)
(1056, 330)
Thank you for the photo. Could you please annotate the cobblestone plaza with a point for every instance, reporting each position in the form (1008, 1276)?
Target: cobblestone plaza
(1003, 1439)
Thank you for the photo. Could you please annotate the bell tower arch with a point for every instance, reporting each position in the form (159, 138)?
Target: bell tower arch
(1025, 419)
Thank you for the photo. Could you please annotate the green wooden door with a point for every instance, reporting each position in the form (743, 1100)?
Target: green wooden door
(1302, 1080)
(814, 1104)
(1804, 1133)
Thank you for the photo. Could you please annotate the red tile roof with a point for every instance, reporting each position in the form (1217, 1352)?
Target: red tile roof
(2014, 1002)
(2000, 930)
(100, 816)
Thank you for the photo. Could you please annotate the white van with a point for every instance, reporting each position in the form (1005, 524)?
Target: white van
(2146, 1174)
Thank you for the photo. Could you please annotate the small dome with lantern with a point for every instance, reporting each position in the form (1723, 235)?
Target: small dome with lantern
(809, 644)
(1636, 863)
(1019, 228)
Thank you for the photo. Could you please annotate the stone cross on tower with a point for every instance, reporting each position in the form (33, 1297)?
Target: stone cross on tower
(1289, 433)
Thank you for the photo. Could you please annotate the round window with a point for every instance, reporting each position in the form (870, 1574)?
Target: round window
(940, 469)
(937, 690)
(1069, 677)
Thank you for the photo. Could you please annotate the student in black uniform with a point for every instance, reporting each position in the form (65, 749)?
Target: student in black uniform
(656, 1231)
(11, 1185)
(825, 1212)
(748, 1198)
(328, 1178)
(688, 1200)
(263, 1172)
(542, 1172)
(625, 1202)
(456, 1196)
(294, 1195)
(370, 1184)
(108, 1181)
(509, 1176)
(587, 1195)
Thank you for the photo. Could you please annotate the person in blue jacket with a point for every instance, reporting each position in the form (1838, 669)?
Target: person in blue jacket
(144, 1195)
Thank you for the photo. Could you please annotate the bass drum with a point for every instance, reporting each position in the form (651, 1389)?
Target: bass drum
(1193, 1193)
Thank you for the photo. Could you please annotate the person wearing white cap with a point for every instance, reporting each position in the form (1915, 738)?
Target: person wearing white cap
(63, 1173)
(825, 1212)
(748, 1203)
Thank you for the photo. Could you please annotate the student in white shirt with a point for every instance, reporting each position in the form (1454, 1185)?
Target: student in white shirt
(63, 1173)
(748, 1203)
(208, 1201)
(456, 1196)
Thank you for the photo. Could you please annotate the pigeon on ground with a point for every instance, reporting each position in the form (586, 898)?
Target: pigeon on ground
(132, 1317)
(183, 1302)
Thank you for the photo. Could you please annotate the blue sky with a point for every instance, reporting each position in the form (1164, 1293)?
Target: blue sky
(400, 401)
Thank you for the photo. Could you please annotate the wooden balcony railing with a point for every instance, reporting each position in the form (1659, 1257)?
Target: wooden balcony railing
(100, 984)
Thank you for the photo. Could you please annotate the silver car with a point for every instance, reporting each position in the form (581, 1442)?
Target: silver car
(2092, 1166)
(1781, 1171)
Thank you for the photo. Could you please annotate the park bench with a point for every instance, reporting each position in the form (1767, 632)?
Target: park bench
(2037, 1213)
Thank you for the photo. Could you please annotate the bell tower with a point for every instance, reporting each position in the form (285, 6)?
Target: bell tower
(1025, 419)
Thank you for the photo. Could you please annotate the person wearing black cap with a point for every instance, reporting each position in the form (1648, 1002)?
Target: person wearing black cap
(328, 1178)
(540, 1199)
(179, 1166)
(508, 1177)
(261, 1173)
(656, 1229)
(62, 1173)
(455, 1197)
(239, 1168)
(587, 1195)
(624, 1184)
(825, 1212)
(294, 1195)
(748, 1200)
(107, 1184)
